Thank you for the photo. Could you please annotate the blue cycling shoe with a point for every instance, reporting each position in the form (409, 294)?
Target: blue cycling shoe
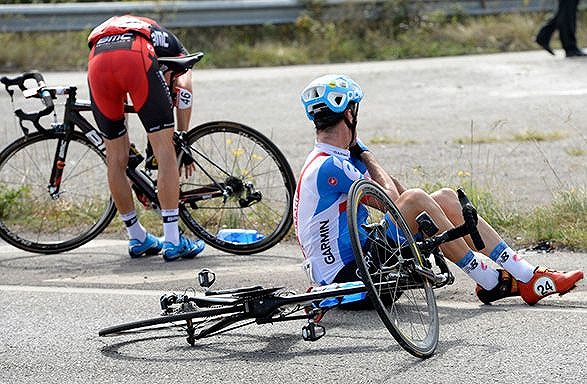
(186, 249)
(151, 246)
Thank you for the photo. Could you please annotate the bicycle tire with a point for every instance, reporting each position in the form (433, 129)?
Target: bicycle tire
(204, 314)
(387, 269)
(30, 219)
(232, 150)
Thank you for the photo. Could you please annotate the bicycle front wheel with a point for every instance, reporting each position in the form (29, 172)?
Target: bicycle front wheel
(388, 258)
(239, 199)
(34, 220)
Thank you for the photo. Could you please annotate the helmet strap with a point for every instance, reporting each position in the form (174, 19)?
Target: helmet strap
(352, 124)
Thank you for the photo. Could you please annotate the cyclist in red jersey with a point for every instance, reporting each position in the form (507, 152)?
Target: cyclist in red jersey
(123, 63)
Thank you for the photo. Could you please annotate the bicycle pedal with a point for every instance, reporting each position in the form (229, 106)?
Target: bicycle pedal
(313, 332)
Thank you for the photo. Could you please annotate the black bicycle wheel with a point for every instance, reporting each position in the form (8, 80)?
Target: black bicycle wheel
(387, 258)
(247, 184)
(33, 220)
(201, 316)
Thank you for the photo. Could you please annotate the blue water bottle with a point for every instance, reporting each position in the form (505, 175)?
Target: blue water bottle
(240, 236)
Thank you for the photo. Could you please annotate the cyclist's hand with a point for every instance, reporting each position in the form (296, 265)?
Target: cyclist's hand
(357, 148)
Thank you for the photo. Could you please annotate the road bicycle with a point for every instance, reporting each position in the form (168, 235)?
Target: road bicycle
(54, 193)
(398, 272)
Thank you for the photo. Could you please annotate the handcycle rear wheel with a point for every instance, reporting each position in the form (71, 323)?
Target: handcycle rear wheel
(388, 268)
(33, 220)
(257, 177)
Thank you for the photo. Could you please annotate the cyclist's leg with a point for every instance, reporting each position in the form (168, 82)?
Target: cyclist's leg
(117, 160)
(412, 202)
(152, 102)
(535, 283)
(107, 99)
(110, 75)
(495, 246)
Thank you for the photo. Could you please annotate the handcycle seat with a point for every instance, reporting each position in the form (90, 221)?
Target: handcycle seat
(181, 63)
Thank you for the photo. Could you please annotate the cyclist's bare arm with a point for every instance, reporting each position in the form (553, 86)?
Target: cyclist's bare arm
(389, 183)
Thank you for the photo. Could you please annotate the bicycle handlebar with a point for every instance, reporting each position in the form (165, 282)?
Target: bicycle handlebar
(471, 219)
(40, 92)
(469, 227)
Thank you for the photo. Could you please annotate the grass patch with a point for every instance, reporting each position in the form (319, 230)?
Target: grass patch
(562, 222)
(532, 135)
(384, 139)
(574, 151)
(529, 135)
(478, 140)
(400, 30)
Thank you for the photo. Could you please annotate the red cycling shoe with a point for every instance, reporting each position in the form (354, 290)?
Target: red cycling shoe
(546, 282)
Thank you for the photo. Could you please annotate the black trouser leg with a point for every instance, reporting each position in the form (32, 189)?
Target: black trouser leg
(567, 23)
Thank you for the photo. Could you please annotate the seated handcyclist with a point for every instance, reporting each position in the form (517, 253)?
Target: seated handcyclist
(123, 63)
(339, 158)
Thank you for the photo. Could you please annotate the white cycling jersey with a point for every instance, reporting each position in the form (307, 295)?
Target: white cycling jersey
(320, 210)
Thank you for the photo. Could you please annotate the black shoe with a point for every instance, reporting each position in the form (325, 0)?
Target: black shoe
(575, 53)
(507, 286)
(544, 43)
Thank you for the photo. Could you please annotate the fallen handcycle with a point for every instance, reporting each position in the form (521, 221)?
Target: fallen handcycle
(398, 271)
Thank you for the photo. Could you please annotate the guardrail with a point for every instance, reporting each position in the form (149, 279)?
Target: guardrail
(79, 16)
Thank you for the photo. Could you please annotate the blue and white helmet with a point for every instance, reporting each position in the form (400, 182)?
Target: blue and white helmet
(332, 91)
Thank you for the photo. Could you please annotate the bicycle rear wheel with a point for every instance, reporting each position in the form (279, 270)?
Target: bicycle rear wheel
(387, 258)
(239, 199)
(30, 218)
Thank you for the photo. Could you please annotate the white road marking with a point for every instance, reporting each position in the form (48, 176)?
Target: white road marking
(579, 296)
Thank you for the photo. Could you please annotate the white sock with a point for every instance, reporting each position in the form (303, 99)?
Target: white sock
(133, 227)
(477, 267)
(170, 227)
(507, 258)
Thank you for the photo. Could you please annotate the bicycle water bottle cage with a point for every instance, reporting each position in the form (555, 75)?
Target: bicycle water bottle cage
(313, 331)
(206, 278)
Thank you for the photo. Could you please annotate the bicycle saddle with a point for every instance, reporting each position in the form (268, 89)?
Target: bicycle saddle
(181, 63)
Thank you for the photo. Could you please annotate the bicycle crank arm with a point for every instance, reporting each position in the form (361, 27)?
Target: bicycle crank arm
(437, 280)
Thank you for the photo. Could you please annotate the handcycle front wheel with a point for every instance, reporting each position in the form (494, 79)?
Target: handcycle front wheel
(33, 219)
(239, 199)
(387, 258)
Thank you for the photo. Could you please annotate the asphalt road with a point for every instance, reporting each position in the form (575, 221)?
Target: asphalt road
(53, 306)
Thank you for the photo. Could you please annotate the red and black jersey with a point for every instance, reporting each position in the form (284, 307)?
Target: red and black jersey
(166, 44)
